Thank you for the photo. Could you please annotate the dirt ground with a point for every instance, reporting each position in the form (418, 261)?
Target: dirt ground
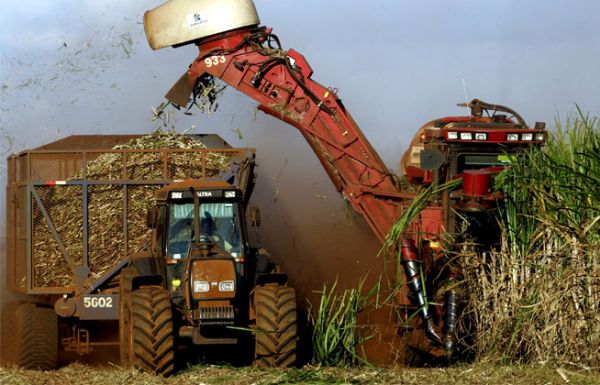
(215, 375)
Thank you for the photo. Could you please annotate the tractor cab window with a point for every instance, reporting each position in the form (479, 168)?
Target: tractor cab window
(219, 222)
(468, 161)
(179, 233)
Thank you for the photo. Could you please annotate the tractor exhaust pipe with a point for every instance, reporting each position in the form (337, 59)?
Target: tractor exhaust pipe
(412, 267)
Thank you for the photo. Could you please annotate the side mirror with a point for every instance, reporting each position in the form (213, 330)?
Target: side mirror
(253, 216)
(151, 215)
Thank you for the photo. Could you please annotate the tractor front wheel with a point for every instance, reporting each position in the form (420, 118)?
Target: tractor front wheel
(151, 345)
(275, 309)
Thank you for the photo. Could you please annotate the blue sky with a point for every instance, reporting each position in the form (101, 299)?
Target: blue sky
(71, 67)
(397, 64)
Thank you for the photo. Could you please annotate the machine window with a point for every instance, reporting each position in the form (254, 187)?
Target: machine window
(477, 161)
(181, 224)
(219, 223)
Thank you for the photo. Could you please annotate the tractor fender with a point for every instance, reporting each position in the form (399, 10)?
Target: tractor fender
(277, 279)
(146, 280)
(272, 278)
(145, 263)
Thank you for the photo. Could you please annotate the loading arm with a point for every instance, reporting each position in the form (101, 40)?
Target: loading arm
(253, 62)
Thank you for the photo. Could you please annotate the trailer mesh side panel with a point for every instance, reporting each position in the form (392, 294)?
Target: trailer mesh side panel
(63, 204)
(105, 166)
(121, 184)
(18, 263)
(215, 163)
(185, 165)
(139, 198)
(105, 228)
(48, 166)
(145, 165)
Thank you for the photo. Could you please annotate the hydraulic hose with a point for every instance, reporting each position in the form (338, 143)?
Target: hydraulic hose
(412, 267)
(450, 316)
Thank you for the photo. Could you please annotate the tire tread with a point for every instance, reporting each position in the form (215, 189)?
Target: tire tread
(38, 334)
(152, 325)
(276, 318)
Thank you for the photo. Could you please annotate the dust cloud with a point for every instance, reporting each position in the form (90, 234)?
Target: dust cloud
(315, 236)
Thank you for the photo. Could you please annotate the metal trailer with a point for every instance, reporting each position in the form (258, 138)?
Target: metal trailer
(85, 298)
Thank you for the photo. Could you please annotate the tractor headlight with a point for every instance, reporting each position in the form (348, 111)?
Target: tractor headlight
(230, 194)
(466, 136)
(527, 137)
(201, 287)
(539, 137)
(512, 137)
(452, 135)
(226, 286)
(480, 136)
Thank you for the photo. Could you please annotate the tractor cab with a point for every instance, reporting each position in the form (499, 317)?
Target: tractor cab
(200, 240)
(218, 215)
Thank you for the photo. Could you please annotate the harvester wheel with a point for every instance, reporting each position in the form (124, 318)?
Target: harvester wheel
(152, 342)
(38, 337)
(275, 308)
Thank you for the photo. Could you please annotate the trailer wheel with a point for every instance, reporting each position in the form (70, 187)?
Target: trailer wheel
(275, 308)
(152, 343)
(38, 337)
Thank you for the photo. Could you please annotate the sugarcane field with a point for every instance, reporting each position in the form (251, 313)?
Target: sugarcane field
(256, 192)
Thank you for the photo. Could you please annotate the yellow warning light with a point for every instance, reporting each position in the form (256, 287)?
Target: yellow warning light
(176, 282)
(434, 245)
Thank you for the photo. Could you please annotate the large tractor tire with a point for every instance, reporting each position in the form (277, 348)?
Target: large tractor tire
(152, 346)
(38, 337)
(276, 335)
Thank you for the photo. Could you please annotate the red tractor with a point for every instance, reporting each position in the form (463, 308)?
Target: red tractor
(234, 48)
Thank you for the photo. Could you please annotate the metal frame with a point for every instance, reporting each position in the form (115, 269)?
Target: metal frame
(80, 272)
(84, 157)
(81, 159)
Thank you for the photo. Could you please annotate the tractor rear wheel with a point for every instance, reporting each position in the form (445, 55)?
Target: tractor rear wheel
(152, 346)
(38, 337)
(275, 308)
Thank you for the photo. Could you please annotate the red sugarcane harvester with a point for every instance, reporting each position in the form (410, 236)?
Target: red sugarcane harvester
(237, 50)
